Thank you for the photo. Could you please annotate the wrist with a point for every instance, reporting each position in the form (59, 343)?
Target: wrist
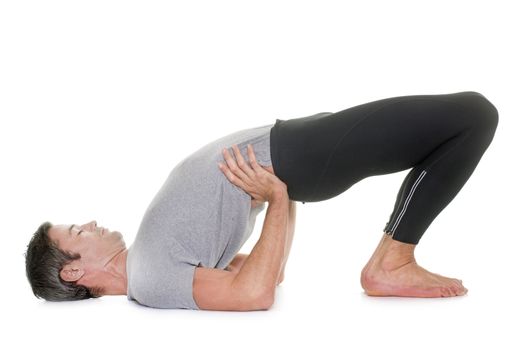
(278, 194)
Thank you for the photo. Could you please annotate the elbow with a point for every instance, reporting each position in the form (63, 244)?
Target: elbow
(262, 301)
(268, 301)
(255, 297)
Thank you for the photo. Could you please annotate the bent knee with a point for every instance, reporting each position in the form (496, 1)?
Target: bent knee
(481, 112)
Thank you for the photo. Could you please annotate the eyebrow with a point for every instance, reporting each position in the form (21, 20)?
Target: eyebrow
(70, 228)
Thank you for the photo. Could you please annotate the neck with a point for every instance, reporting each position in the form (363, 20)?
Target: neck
(117, 283)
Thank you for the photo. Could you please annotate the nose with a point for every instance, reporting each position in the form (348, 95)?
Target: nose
(91, 226)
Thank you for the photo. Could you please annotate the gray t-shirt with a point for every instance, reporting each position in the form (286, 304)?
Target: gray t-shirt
(197, 218)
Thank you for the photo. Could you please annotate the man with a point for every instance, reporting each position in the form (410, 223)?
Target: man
(185, 253)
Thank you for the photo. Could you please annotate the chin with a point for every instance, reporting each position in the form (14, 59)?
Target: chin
(119, 234)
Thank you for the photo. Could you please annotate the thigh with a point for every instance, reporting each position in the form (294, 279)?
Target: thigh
(322, 155)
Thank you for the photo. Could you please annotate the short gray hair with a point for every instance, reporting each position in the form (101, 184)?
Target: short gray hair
(43, 263)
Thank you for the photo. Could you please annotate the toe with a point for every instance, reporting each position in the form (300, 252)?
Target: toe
(456, 284)
(461, 290)
(455, 291)
(445, 292)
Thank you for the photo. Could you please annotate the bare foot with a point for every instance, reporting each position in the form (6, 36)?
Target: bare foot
(410, 280)
(393, 271)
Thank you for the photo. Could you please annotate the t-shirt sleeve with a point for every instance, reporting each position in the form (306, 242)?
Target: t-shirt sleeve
(170, 284)
(175, 290)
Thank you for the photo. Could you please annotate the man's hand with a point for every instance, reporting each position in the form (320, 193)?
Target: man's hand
(255, 202)
(259, 183)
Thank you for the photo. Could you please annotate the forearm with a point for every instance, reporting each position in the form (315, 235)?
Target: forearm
(259, 273)
(290, 237)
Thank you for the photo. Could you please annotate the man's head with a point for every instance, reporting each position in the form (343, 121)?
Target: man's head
(73, 262)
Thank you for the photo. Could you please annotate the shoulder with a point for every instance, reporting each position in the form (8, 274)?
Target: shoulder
(163, 279)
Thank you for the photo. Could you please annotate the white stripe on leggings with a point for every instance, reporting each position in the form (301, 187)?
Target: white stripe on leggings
(408, 199)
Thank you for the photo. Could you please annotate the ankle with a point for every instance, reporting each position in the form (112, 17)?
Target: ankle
(394, 254)
(393, 262)
(390, 244)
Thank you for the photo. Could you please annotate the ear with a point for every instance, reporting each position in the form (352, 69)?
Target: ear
(71, 274)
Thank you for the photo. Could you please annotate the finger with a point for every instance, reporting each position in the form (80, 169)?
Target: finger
(241, 162)
(231, 164)
(231, 177)
(252, 158)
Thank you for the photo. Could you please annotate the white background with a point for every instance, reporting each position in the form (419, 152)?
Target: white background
(100, 99)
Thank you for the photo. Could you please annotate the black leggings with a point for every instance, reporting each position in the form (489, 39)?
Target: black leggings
(441, 137)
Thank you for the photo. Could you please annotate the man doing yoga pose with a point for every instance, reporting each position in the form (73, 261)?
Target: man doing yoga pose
(185, 254)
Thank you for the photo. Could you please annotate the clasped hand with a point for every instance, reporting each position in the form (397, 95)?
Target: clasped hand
(260, 184)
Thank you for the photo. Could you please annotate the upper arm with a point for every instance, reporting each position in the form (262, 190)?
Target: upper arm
(213, 289)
